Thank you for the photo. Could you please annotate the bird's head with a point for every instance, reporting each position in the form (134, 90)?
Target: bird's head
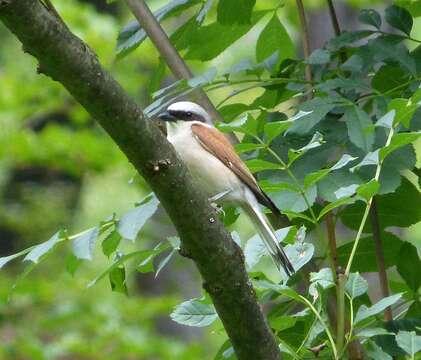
(185, 111)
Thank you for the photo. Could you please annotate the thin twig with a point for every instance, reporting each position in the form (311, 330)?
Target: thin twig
(374, 218)
(334, 18)
(167, 51)
(305, 39)
(336, 27)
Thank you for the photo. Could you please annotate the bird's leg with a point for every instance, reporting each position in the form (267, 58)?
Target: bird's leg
(213, 201)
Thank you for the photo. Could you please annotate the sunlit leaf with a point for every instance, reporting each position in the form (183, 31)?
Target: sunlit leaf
(194, 313)
(83, 245)
(409, 341)
(356, 285)
(365, 312)
(132, 222)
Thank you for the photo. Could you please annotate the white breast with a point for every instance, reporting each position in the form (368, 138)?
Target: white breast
(212, 175)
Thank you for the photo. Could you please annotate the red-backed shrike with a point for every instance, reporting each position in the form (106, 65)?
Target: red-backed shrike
(220, 172)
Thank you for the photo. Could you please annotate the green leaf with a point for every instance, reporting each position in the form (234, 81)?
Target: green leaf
(273, 129)
(365, 312)
(6, 259)
(372, 158)
(400, 208)
(231, 111)
(255, 248)
(319, 57)
(299, 254)
(194, 313)
(256, 165)
(346, 38)
(132, 35)
(388, 77)
(370, 17)
(368, 190)
(371, 332)
(121, 259)
(343, 161)
(83, 245)
(247, 124)
(287, 200)
(274, 38)
(343, 84)
(280, 323)
(132, 222)
(117, 278)
(398, 141)
(346, 191)
(409, 266)
(244, 147)
(375, 352)
(334, 205)
(272, 187)
(208, 41)
(232, 12)
(409, 341)
(203, 79)
(335, 181)
(387, 120)
(358, 124)
(310, 114)
(164, 262)
(72, 264)
(43, 248)
(399, 18)
(405, 109)
(322, 279)
(365, 259)
(315, 177)
(356, 285)
(110, 243)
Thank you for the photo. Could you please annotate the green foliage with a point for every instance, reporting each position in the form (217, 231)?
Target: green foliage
(347, 135)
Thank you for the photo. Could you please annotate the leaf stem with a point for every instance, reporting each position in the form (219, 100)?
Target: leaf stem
(328, 333)
(366, 211)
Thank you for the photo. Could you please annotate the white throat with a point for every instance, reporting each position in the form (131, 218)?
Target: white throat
(180, 127)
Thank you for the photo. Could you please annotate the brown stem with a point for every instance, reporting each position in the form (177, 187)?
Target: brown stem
(331, 235)
(168, 51)
(306, 42)
(334, 18)
(68, 60)
(384, 287)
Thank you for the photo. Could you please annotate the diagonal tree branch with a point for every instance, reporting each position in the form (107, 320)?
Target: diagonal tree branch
(167, 50)
(66, 59)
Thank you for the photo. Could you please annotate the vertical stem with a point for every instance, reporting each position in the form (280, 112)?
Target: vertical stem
(334, 17)
(336, 27)
(367, 210)
(374, 218)
(340, 298)
(330, 226)
(306, 40)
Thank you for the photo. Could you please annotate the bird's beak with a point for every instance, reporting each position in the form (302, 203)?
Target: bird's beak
(166, 116)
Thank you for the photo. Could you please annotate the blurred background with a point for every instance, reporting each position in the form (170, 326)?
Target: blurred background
(58, 169)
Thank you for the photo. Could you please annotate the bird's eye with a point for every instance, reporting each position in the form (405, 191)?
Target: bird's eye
(189, 114)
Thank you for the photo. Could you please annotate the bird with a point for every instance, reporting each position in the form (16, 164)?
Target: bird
(219, 171)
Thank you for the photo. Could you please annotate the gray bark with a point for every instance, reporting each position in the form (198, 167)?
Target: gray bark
(65, 58)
